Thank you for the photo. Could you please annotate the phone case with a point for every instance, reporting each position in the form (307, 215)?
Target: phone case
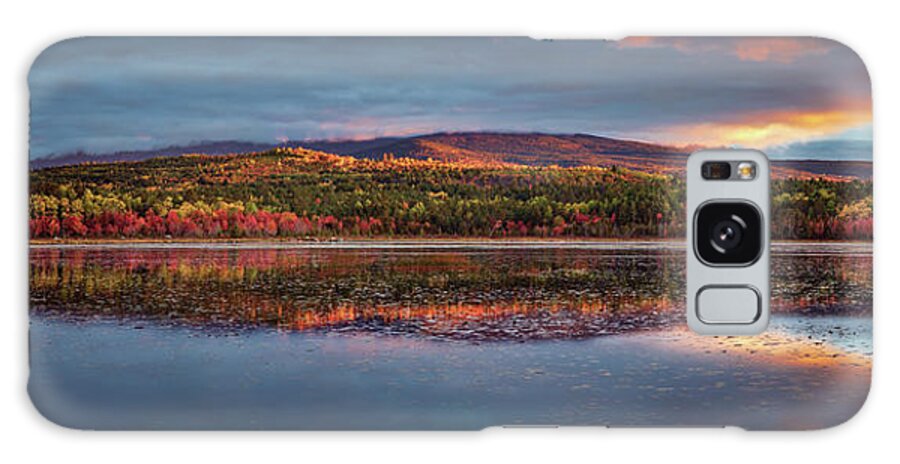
(435, 233)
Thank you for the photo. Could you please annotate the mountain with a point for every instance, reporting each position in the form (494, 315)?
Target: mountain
(518, 148)
(822, 168)
(374, 147)
(203, 148)
(533, 149)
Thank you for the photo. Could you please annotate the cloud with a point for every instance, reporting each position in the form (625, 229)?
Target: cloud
(109, 94)
(829, 149)
(783, 50)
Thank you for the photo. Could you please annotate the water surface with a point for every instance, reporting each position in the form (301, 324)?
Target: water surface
(459, 336)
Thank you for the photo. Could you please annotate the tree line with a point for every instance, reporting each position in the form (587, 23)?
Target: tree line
(302, 193)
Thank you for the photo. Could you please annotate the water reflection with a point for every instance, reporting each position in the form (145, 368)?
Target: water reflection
(478, 294)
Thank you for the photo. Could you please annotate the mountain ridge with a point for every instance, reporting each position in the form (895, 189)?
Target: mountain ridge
(526, 148)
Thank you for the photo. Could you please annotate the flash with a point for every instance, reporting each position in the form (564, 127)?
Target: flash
(746, 170)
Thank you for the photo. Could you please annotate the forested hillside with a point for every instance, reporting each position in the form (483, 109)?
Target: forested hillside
(295, 192)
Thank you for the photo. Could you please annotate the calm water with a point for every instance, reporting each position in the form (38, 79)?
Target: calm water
(459, 336)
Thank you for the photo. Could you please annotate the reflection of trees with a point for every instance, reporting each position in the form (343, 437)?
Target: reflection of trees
(305, 289)
(819, 283)
(314, 288)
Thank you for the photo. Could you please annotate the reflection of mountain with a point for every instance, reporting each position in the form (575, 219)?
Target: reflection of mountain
(518, 148)
(489, 294)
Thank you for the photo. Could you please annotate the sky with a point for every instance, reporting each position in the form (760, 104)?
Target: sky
(791, 97)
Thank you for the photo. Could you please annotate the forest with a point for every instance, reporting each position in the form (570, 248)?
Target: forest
(299, 193)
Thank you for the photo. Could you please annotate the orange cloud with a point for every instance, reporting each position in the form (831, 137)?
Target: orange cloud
(762, 130)
(783, 50)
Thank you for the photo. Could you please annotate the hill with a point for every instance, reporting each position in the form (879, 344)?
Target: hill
(529, 149)
(296, 192)
(205, 148)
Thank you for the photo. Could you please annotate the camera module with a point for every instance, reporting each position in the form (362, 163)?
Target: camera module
(728, 233)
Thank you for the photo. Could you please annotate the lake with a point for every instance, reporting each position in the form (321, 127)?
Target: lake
(447, 335)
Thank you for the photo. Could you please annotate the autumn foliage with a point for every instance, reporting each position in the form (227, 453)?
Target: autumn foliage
(302, 193)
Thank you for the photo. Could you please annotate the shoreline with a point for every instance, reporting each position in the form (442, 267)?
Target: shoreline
(781, 247)
(400, 241)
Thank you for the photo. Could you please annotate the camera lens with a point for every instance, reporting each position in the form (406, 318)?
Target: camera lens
(716, 170)
(728, 233)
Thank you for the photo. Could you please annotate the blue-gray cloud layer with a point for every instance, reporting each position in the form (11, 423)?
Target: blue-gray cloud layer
(828, 149)
(108, 94)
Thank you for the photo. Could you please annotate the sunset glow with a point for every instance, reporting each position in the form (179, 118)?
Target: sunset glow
(761, 130)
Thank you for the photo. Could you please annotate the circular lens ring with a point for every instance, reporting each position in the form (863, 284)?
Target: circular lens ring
(747, 222)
